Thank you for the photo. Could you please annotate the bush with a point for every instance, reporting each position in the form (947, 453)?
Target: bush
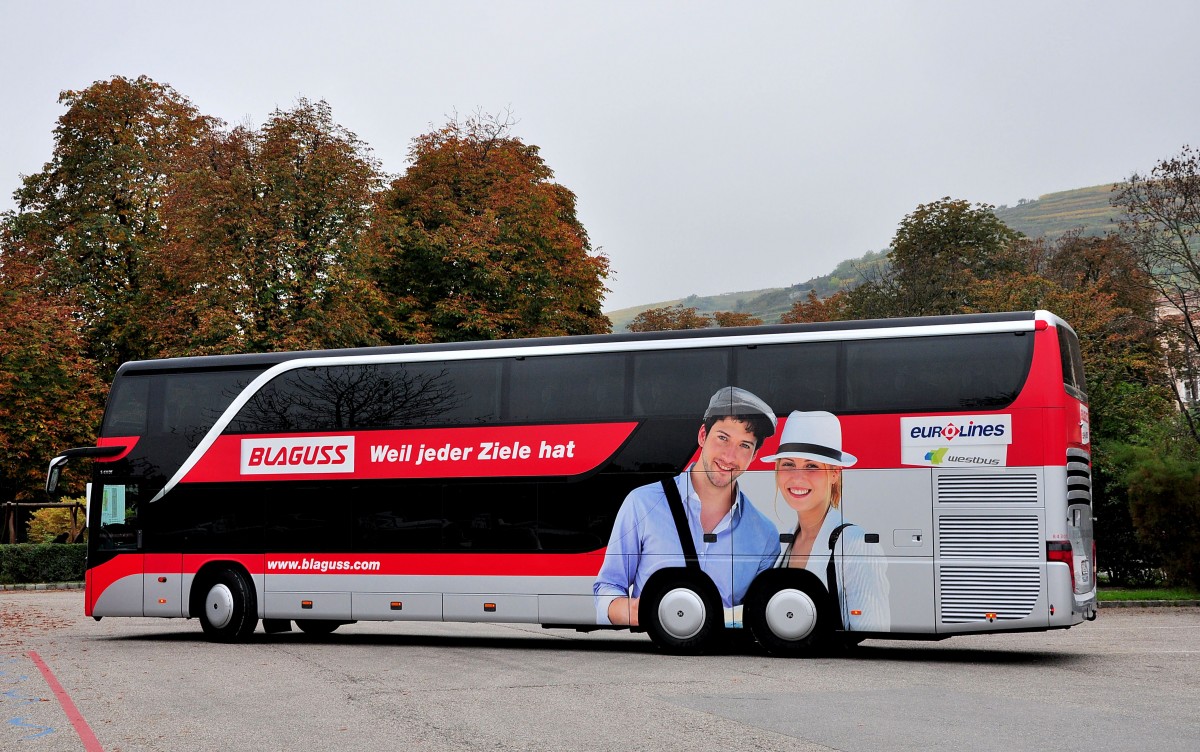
(42, 562)
(1164, 503)
(47, 525)
(1121, 556)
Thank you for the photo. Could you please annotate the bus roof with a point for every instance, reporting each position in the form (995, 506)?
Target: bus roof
(266, 360)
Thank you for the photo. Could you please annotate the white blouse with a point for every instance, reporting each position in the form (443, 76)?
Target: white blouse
(861, 574)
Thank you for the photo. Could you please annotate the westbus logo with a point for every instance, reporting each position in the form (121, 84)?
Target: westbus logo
(937, 456)
(322, 454)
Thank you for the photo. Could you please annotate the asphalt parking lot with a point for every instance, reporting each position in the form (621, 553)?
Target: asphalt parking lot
(1124, 682)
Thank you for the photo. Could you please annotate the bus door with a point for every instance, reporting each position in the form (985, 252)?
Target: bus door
(148, 584)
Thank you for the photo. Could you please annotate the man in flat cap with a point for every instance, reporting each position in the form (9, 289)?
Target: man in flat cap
(732, 540)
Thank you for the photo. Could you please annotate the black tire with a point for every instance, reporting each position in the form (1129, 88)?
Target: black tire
(787, 612)
(229, 609)
(681, 612)
(317, 627)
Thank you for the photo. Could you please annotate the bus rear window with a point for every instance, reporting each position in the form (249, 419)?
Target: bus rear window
(1072, 363)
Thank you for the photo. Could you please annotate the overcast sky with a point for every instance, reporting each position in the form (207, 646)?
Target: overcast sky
(713, 147)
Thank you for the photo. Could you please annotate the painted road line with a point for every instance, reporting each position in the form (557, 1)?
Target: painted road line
(90, 742)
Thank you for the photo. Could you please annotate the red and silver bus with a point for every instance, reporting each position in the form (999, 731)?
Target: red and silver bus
(531, 481)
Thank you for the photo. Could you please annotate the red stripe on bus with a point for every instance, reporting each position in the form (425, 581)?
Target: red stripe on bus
(126, 441)
(445, 565)
(99, 578)
(473, 452)
(587, 564)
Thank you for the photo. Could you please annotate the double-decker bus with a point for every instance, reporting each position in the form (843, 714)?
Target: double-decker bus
(904, 478)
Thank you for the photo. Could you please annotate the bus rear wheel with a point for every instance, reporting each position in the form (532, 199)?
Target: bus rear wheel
(680, 614)
(317, 626)
(229, 612)
(784, 614)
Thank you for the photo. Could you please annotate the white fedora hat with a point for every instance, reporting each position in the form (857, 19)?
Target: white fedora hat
(815, 435)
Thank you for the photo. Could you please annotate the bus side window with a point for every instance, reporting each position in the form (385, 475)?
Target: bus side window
(935, 373)
(678, 383)
(128, 407)
(562, 388)
(791, 377)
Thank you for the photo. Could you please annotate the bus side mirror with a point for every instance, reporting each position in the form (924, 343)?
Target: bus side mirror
(53, 474)
(56, 464)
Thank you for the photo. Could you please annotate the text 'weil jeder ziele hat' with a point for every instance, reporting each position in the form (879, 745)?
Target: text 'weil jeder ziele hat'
(815, 435)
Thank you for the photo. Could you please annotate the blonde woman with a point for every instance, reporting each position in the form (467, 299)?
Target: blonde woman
(808, 476)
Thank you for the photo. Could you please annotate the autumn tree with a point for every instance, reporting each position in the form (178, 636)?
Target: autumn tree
(476, 241)
(670, 318)
(91, 222)
(265, 249)
(938, 254)
(812, 309)
(1094, 284)
(50, 395)
(735, 318)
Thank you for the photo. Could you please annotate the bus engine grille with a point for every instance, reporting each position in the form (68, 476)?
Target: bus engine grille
(972, 594)
(1015, 488)
(989, 537)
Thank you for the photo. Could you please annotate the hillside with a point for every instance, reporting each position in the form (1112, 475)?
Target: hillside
(770, 303)
(733, 301)
(1051, 215)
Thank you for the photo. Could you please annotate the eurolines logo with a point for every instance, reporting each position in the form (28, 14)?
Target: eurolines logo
(317, 454)
(957, 441)
(960, 429)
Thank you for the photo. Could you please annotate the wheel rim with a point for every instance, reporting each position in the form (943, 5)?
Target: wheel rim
(681, 613)
(791, 614)
(218, 606)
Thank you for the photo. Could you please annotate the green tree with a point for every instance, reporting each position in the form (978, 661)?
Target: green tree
(938, 254)
(1162, 224)
(475, 241)
(91, 220)
(265, 249)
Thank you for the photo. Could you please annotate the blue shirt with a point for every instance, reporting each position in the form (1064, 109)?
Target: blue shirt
(644, 540)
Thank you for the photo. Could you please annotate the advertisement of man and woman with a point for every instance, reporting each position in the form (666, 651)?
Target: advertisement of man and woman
(734, 524)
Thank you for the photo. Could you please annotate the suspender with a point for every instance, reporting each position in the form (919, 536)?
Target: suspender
(675, 502)
(831, 576)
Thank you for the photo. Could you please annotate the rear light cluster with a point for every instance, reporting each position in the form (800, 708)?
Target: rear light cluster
(1061, 551)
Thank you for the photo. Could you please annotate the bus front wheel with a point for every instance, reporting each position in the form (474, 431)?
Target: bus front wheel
(230, 608)
(680, 614)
